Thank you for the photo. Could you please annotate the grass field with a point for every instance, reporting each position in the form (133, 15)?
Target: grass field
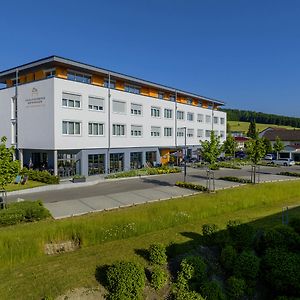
(26, 273)
(29, 184)
(243, 126)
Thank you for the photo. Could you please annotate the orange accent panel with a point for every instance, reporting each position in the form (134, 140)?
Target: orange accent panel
(9, 83)
(216, 107)
(22, 79)
(120, 85)
(204, 104)
(39, 75)
(181, 99)
(153, 93)
(195, 102)
(165, 156)
(145, 91)
(166, 96)
(30, 77)
(61, 73)
(97, 80)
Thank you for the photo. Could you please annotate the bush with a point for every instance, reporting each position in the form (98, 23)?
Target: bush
(242, 235)
(187, 295)
(212, 290)
(158, 277)
(125, 280)
(157, 254)
(26, 211)
(293, 174)
(281, 271)
(209, 232)
(191, 186)
(235, 287)
(41, 176)
(295, 223)
(228, 258)
(246, 265)
(235, 179)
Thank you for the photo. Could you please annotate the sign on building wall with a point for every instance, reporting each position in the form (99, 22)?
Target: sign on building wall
(35, 100)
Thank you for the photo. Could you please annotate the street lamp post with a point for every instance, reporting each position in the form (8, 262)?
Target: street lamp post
(185, 155)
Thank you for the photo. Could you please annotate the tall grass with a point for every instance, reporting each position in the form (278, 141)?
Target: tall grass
(21, 243)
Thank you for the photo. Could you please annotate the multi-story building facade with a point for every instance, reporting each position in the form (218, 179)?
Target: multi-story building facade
(76, 118)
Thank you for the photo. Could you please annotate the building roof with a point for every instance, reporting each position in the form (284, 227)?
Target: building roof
(283, 134)
(241, 138)
(50, 61)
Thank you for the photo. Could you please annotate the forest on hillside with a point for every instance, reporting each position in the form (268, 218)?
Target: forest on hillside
(259, 117)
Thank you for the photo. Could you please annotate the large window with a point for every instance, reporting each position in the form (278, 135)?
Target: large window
(119, 106)
(200, 118)
(172, 98)
(118, 129)
(160, 95)
(180, 115)
(208, 119)
(79, 77)
(96, 129)
(200, 133)
(96, 164)
(190, 132)
(151, 157)
(136, 160)
(71, 128)
(136, 109)
(66, 164)
(116, 162)
(132, 89)
(168, 113)
(167, 131)
(155, 131)
(71, 100)
(112, 83)
(190, 116)
(50, 73)
(96, 104)
(136, 130)
(155, 112)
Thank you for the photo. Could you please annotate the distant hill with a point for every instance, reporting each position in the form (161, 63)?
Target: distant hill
(262, 118)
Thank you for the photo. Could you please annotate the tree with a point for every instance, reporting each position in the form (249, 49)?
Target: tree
(252, 133)
(230, 145)
(228, 127)
(9, 168)
(268, 145)
(278, 146)
(211, 150)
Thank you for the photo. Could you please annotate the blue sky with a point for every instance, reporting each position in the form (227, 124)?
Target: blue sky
(246, 53)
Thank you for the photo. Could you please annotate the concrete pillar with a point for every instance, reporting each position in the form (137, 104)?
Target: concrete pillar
(21, 158)
(55, 162)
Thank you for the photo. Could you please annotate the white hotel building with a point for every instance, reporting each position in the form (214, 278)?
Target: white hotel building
(76, 118)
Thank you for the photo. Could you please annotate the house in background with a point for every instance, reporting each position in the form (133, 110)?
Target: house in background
(290, 139)
(241, 140)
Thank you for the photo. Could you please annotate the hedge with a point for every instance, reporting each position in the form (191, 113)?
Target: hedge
(191, 186)
(41, 176)
(235, 179)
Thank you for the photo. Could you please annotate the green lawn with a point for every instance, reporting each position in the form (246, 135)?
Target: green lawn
(26, 273)
(243, 126)
(29, 184)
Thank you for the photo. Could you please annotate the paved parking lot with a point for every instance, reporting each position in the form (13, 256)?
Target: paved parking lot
(110, 194)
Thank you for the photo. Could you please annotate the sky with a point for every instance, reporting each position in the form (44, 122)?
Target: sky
(243, 52)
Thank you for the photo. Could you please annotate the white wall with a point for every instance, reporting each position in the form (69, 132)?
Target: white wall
(5, 113)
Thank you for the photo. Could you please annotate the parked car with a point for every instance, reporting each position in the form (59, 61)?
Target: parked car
(240, 154)
(269, 157)
(283, 162)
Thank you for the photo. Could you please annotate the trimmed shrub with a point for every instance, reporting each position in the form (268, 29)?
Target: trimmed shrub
(281, 271)
(212, 290)
(242, 235)
(228, 258)
(191, 186)
(41, 176)
(293, 174)
(235, 287)
(158, 277)
(235, 179)
(157, 254)
(26, 211)
(246, 265)
(125, 280)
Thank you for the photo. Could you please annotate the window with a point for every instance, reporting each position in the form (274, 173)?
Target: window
(190, 132)
(200, 118)
(222, 134)
(50, 73)
(222, 121)
(96, 128)
(168, 113)
(132, 89)
(199, 103)
(160, 95)
(75, 76)
(136, 109)
(180, 115)
(155, 131)
(71, 128)
(207, 118)
(112, 83)
(216, 120)
(167, 131)
(216, 132)
(71, 100)
(189, 101)
(207, 133)
(190, 116)
(96, 104)
(136, 160)
(172, 98)
(200, 133)
(96, 164)
(116, 162)
(118, 130)
(119, 106)
(155, 112)
(136, 130)
(180, 132)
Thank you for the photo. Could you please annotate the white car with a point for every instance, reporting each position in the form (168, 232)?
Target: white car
(284, 162)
